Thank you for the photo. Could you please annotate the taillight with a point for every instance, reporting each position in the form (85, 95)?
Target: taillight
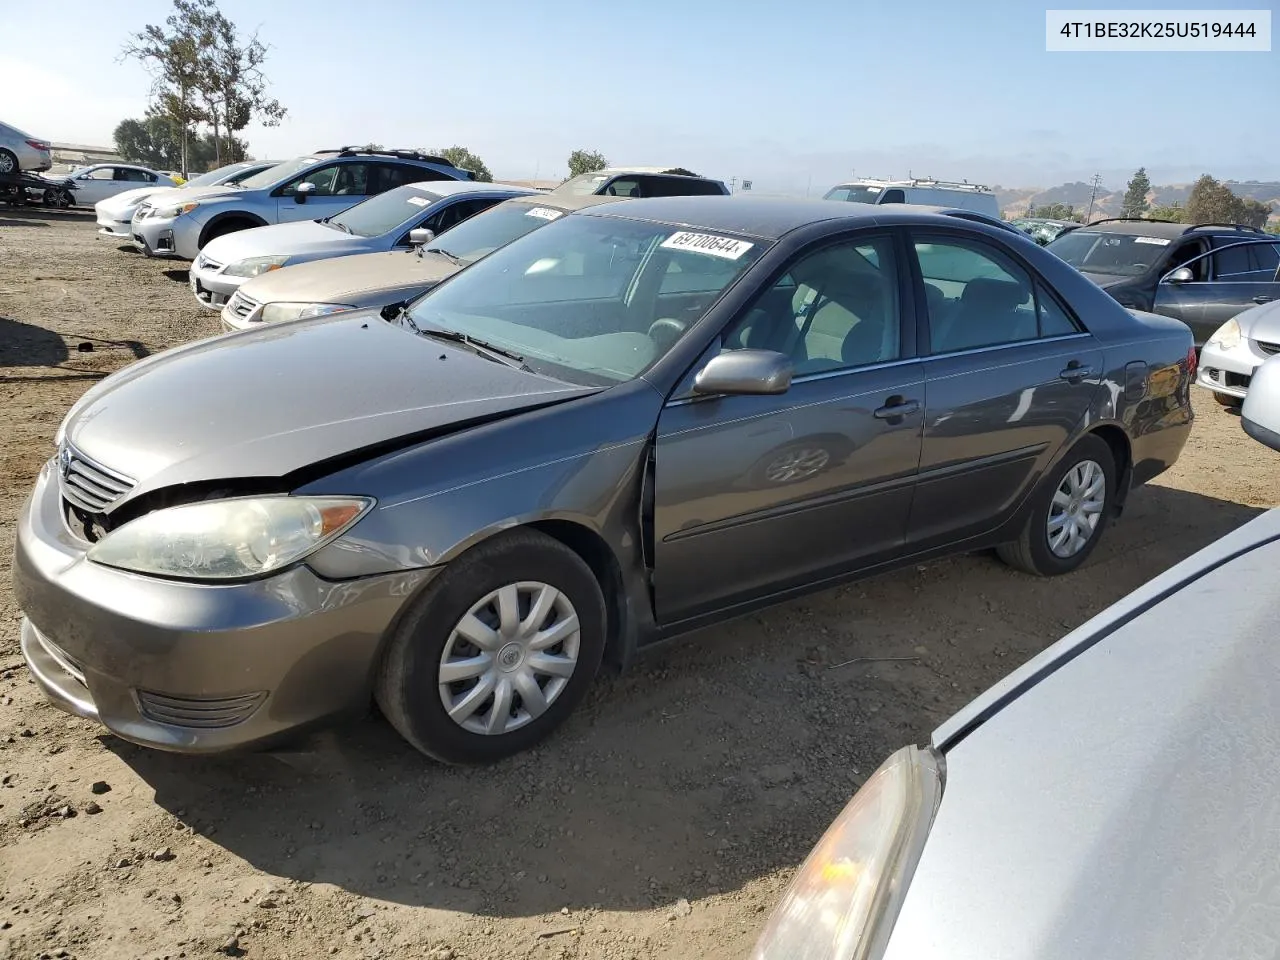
(37, 145)
(1193, 363)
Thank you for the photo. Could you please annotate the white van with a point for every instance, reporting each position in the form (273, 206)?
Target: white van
(940, 193)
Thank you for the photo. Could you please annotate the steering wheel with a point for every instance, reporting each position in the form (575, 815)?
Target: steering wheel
(665, 331)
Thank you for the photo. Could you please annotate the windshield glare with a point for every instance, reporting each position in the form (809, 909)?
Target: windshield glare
(484, 233)
(1114, 254)
(579, 299)
(386, 212)
(273, 175)
(854, 193)
(583, 185)
(213, 177)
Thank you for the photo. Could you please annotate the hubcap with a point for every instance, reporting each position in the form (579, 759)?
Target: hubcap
(509, 658)
(796, 465)
(7, 164)
(1076, 509)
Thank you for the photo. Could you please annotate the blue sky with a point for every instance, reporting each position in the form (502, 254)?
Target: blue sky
(793, 96)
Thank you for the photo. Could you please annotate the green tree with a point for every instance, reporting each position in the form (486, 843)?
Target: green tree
(233, 86)
(464, 158)
(156, 142)
(1135, 197)
(173, 54)
(586, 161)
(1173, 212)
(1214, 202)
(1254, 212)
(1057, 211)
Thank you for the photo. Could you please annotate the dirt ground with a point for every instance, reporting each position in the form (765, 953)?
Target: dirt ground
(662, 821)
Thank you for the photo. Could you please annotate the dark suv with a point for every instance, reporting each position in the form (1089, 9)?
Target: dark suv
(642, 182)
(1202, 274)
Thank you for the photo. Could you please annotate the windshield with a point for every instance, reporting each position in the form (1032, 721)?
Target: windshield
(385, 212)
(484, 233)
(273, 175)
(854, 193)
(225, 174)
(593, 300)
(1114, 254)
(584, 184)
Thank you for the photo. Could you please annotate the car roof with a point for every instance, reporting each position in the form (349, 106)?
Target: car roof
(768, 218)
(567, 202)
(659, 171)
(1144, 228)
(447, 188)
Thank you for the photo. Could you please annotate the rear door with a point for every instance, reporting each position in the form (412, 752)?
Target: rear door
(1009, 374)
(754, 494)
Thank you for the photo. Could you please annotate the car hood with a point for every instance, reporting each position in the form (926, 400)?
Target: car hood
(1261, 322)
(272, 400)
(132, 198)
(1105, 280)
(357, 280)
(304, 240)
(1111, 798)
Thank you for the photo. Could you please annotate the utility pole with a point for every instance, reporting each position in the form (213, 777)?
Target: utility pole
(733, 183)
(809, 186)
(1097, 182)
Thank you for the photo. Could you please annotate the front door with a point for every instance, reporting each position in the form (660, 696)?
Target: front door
(754, 494)
(1010, 375)
(337, 186)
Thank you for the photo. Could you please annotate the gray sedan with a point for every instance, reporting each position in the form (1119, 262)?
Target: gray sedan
(1114, 798)
(463, 511)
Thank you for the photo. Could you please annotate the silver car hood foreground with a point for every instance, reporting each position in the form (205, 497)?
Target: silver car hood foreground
(350, 279)
(300, 239)
(269, 401)
(1262, 322)
(1117, 798)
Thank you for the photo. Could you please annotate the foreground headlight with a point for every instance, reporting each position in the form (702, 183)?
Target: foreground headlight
(276, 312)
(255, 266)
(1227, 336)
(843, 902)
(173, 210)
(228, 539)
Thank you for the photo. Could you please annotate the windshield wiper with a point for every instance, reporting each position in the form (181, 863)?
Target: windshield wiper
(452, 257)
(482, 347)
(330, 222)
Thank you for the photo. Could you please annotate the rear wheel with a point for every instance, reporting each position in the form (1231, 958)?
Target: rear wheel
(8, 163)
(1068, 514)
(497, 652)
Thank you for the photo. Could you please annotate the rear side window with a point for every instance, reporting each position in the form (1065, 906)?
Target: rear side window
(1232, 263)
(679, 187)
(388, 176)
(1266, 257)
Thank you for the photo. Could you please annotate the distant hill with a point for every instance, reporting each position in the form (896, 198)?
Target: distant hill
(1015, 200)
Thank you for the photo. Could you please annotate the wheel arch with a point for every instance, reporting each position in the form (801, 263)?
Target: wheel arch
(237, 216)
(1122, 451)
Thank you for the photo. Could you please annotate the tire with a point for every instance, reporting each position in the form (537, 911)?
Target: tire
(408, 686)
(1228, 401)
(222, 228)
(8, 163)
(1032, 552)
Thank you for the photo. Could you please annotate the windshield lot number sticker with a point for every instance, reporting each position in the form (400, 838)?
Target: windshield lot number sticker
(724, 247)
(542, 213)
(419, 201)
(1158, 241)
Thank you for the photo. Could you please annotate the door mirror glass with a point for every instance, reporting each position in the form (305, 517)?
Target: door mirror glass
(303, 191)
(421, 235)
(1181, 275)
(1260, 414)
(739, 372)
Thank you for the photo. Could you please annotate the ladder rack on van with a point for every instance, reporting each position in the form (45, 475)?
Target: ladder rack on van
(947, 184)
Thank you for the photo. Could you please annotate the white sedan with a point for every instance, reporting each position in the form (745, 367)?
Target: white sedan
(1229, 357)
(102, 180)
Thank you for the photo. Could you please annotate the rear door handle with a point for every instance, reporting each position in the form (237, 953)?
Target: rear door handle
(1075, 372)
(897, 407)
(1263, 299)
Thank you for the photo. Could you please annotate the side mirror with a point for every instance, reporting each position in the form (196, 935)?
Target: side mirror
(421, 236)
(303, 191)
(1260, 415)
(745, 372)
(1181, 275)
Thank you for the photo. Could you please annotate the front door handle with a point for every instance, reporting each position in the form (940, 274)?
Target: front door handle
(897, 407)
(1075, 372)
(1263, 299)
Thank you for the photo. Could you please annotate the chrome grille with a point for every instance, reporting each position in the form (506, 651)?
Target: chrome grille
(87, 484)
(241, 306)
(1272, 348)
(202, 712)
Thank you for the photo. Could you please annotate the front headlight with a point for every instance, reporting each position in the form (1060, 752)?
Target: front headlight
(1227, 336)
(173, 210)
(228, 539)
(276, 312)
(255, 266)
(844, 900)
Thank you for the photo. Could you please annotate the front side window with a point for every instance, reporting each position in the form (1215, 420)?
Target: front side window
(280, 173)
(624, 187)
(833, 309)
(385, 212)
(102, 173)
(977, 297)
(486, 232)
(582, 299)
(1113, 254)
(457, 212)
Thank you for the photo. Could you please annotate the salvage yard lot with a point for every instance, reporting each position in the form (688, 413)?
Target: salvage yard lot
(661, 821)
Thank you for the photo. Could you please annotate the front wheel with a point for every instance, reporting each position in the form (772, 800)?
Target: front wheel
(1229, 401)
(1068, 514)
(497, 652)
